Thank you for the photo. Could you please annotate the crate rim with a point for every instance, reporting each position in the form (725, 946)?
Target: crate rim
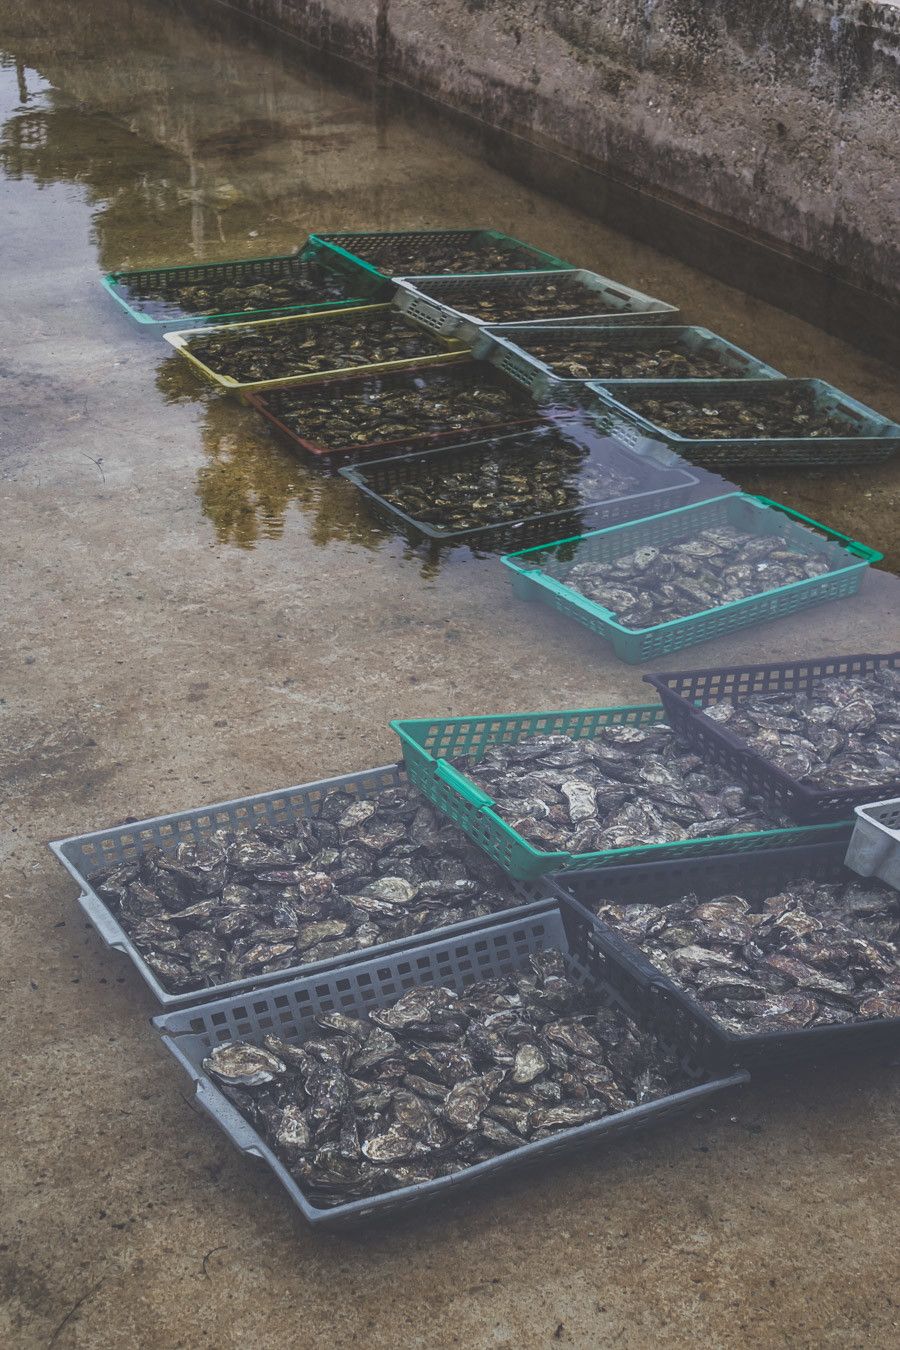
(716, 1080)
(356, 474)
(113, 934)
(864, 557)
(616, 401)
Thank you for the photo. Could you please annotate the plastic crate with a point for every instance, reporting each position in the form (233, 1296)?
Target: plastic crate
(85, 854)
(659, 486)
(289, 1009)
(445, 349)
(636, 979)
(508, 349)
(685, 693)
(464, 372)
(539, 575)
(124, 287)
(874, 849)
(430, 743)
(875, 438)
(388, 253)
(439, 303)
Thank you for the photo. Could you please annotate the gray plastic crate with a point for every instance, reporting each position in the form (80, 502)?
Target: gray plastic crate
(439, 303)
(508, 349)
(874, 849)
(873, 438)
(86, 854)
(288, 1010)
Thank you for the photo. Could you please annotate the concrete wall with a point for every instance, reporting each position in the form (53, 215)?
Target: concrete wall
(776, 119)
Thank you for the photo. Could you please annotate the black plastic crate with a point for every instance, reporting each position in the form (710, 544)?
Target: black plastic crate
(667, 1006)
(685, 693)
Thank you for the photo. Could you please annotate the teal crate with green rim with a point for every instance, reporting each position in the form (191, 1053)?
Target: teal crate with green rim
(394, 253)
(303, 276)
(539, 573)
(430, 743)
(861, 436)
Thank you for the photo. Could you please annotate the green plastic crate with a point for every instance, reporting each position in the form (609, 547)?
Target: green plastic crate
(353, 246)
(870, 438)
(539, 572)
(430, 743)
(359, 288)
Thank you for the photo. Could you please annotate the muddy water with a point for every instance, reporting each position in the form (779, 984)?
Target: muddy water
(139, 133)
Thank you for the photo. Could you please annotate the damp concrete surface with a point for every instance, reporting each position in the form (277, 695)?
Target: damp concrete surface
(191, 613)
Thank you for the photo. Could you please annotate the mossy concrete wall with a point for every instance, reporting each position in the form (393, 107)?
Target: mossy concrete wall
(777, 120)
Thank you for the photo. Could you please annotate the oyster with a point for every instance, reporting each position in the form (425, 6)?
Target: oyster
(361, 872)
(625, 786)
(843, 732)
(717, 566)
(346, 1128)
(347, 338)
(810, 955)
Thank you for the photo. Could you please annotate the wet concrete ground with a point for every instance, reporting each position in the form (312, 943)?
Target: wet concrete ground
(192, 614)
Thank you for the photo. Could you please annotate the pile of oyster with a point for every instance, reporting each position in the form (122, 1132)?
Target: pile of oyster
(525, 298)
(812, 955)
(362, 871)
(438, 1081)
(779, 413)
(301, 284)
(541, 471)
(340, 416)
(713, 567)
(350, 338)
(625, 786)
(844, 732)
(574, 356)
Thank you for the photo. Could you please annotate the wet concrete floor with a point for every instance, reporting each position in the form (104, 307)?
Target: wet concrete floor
(191, 614)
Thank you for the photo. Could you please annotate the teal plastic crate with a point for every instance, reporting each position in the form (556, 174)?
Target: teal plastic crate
(510, 350)
(388, 253)
(539, 573)
(430, 743)
(355, 288)
(874, 438)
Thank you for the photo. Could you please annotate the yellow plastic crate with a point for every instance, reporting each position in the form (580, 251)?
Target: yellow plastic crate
(445, 349)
